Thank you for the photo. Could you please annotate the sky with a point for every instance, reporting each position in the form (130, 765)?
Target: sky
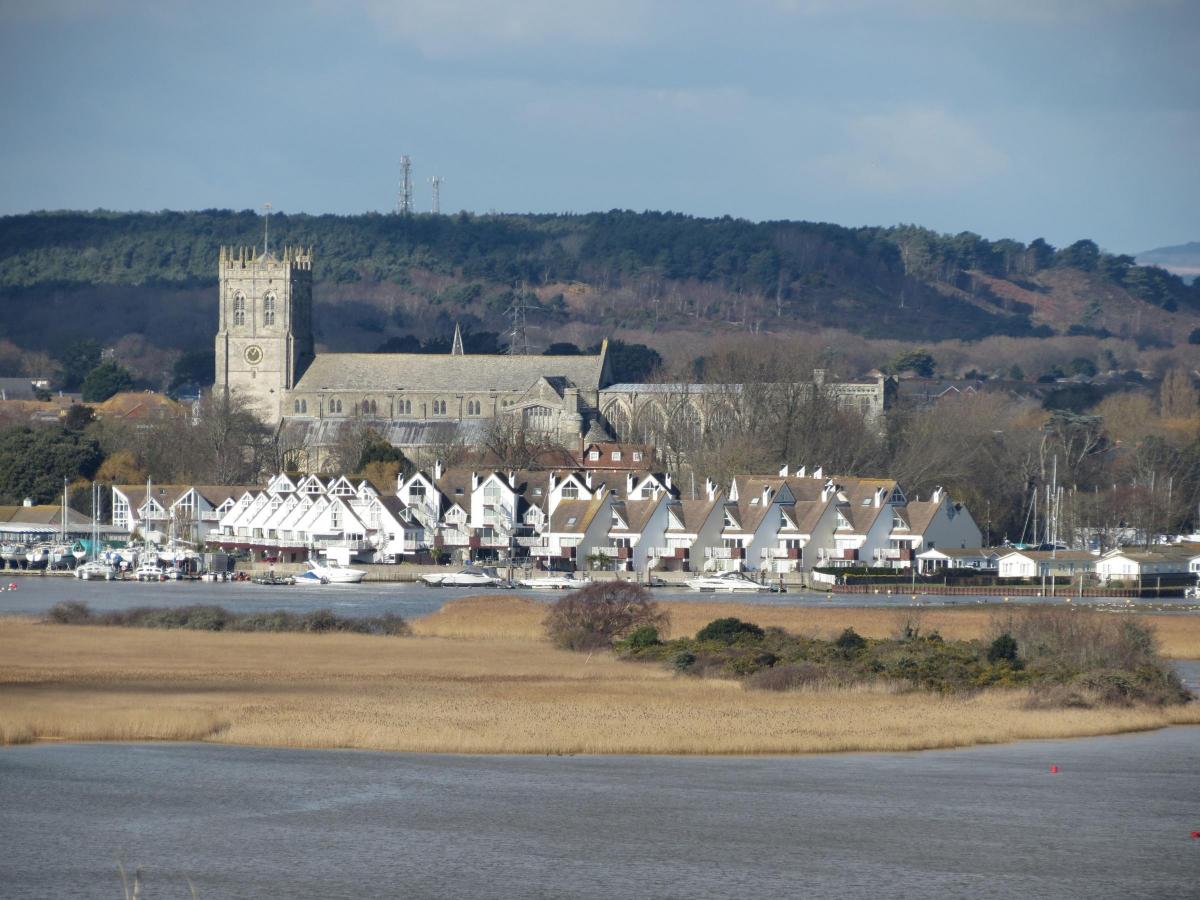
(1062, 119)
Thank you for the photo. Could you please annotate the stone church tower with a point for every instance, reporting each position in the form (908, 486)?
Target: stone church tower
(264, 335)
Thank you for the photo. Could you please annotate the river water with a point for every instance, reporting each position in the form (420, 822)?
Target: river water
(1114, 822)
(35, 595)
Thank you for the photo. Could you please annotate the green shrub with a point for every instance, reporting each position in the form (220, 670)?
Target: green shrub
(642, 637)
(850, 642)
(1004, 647)
(729, 630)
(683, 661)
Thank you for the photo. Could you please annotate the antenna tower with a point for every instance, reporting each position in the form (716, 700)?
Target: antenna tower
(404, 203)
(436, 183)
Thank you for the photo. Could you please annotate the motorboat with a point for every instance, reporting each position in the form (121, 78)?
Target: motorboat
(469, 576)
(563, 581)
(332, 572)
(726, 582)
(215, 576)
(95, 570)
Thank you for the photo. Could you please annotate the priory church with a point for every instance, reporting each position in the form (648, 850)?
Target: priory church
(265, 352)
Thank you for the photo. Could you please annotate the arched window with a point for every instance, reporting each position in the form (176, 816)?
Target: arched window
(374, 408)
(335, 406)
(304, 406)
(407, 407)
(296, 406)
(269, 309)
(239, 308)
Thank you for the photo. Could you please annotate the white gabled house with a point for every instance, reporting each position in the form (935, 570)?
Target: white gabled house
(691, 526)
(1136, 564)
(577, 528)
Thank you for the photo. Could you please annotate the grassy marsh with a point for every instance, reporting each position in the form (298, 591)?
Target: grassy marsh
(477, 678)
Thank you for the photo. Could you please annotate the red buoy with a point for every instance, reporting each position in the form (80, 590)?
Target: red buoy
(1196, 835)
(1054, 770)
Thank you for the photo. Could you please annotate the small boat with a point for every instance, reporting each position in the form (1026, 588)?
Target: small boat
(215, 576)
(95, 570)
(469, 576)
(561, 582)
(727, 582)
(333, 572)
(273, 580)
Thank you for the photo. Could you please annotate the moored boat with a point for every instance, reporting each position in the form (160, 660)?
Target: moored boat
(727, 582)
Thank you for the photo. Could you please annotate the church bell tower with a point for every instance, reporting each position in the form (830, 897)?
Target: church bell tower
(264, 334)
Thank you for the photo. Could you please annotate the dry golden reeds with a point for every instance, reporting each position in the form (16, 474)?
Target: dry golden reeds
(471, 695)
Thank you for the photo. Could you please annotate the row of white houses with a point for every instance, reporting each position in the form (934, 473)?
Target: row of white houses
(632, 521)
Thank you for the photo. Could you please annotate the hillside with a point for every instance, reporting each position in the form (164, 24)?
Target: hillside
(1182, 259)
(143, 282)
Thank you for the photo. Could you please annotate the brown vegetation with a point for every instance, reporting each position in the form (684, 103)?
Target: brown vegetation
(496, 687)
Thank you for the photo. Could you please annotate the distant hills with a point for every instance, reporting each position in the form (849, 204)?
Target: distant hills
(144, 282)
(1182, 259)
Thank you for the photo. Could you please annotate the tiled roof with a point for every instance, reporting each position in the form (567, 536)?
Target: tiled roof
(448, 373)
(582, 511)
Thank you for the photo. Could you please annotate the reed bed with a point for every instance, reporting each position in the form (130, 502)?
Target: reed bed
(517, 618)
(494, 695)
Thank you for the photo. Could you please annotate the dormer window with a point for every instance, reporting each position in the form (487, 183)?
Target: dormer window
(842, 521)
(637, 455)
(594, 455)
(616, 454)
(570, 491)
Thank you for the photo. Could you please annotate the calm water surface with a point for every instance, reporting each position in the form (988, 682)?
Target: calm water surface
(35, 595)
(249, 823)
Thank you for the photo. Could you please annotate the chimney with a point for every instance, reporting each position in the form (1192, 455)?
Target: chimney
(766, 495)
(667, 481)
(587, 479)
(437, 470)
(819, 472)
(880, 493)
(783, 471)
(553, 482)
(629, 484)
(801, 471)
(937, 494)
(710, 488)
(474, 482)
(28, 501)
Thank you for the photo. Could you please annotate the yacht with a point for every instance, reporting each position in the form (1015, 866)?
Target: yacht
(563, 581)
(95, 570)
(469, 576)
(726, 582)
(150, 571)
(332, 572)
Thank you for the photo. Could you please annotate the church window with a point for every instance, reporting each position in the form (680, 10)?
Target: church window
(335, 406)
(269, 309)
(239, 309)
(439, 407)
(304, 406)
(404, 407)
(296, 406)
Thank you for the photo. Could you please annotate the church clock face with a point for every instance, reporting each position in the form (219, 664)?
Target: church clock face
(254, 354)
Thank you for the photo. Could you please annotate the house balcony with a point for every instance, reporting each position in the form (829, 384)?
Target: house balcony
(781, 553)
(724, 552)
(344, 544)
(838, 555)
(553, 552)
(670, 552)
(529, 541)
(614, 552)
(888, 554)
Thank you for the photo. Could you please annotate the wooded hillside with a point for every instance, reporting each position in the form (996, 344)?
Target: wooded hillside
(143, 281)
